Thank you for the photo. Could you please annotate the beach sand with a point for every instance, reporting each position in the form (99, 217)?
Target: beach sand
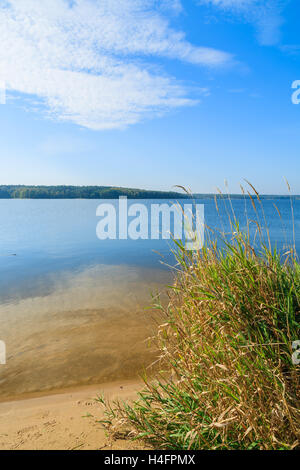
(64, 421)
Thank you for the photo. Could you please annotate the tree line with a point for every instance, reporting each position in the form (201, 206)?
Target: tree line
(102, 192)
(79, 192)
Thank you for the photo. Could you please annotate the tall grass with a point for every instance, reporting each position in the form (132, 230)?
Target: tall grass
(227, 379)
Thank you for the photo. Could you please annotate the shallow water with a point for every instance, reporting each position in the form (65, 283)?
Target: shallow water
(91, 328)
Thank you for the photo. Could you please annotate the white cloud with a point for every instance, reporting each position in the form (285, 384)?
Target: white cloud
(88, 61)
(266, 15)
(173, 5)
(231, 3)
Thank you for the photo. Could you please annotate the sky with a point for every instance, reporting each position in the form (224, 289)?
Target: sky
(150, 93)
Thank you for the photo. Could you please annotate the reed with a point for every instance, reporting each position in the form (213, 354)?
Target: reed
(227, 379)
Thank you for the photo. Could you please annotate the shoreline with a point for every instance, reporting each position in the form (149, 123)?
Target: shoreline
(66, 420)
(26, 396)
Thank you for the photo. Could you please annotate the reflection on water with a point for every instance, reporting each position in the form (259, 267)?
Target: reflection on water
(90, 329)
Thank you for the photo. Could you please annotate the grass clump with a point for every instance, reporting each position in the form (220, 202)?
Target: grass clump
(227, 377)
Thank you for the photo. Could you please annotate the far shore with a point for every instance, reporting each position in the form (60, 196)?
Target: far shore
(66, 420)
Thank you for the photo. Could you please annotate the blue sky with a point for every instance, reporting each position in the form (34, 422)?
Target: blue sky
(150, 93)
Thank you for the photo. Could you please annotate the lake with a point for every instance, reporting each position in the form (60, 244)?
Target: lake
(73, 308)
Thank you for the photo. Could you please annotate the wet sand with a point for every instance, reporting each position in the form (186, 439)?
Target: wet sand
(67, 421)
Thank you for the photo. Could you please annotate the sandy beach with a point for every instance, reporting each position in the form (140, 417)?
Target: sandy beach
(92, 328)
(64, 421)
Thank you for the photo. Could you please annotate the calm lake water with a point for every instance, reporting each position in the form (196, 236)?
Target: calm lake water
(72, 307)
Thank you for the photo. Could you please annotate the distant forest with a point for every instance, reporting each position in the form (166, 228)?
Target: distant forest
(80, 192)
(98, 192)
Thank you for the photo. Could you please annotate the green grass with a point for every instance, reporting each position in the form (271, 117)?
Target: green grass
(227, 380)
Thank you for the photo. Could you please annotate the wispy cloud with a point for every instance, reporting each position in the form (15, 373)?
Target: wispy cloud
(88, 61)
(173, 5)
(291, 49)
(265, 15)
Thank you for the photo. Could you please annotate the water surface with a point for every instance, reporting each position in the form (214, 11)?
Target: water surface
(72, 307)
